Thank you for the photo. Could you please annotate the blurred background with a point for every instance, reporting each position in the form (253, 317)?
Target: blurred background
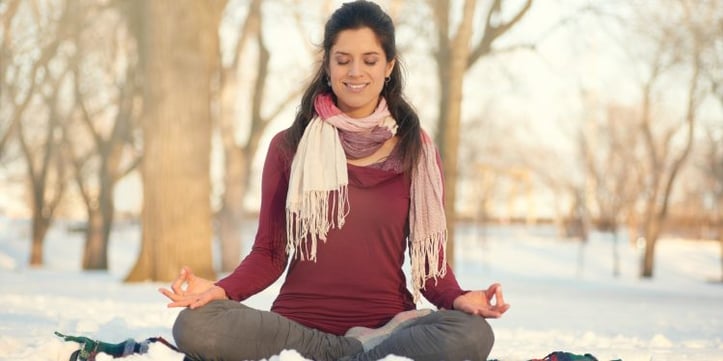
(586, 116)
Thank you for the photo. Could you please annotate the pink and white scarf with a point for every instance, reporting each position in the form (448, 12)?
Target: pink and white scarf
(318, 186)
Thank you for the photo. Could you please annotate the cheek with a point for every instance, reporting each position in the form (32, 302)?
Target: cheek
(336, 72)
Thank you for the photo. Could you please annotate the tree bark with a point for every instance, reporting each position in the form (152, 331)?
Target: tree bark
(453, 115)
(40, 226)
(181, 48)
(100, 223)
(95, 250)
(232, 212)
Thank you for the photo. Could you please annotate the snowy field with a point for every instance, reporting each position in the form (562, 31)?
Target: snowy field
(563, 296)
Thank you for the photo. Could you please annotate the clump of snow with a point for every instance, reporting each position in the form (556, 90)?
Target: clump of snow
(563, 294)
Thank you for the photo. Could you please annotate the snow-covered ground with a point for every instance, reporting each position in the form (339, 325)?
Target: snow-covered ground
(563, 296)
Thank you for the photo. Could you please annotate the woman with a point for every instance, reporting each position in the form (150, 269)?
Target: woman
(345, 189)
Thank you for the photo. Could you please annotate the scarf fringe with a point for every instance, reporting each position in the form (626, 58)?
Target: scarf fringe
(310, 222)
(428, 261)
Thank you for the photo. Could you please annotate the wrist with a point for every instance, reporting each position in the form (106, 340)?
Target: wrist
(457, 299)
(218, 290)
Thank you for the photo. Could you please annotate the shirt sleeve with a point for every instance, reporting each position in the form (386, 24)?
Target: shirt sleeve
(267, 259)
(442, 292)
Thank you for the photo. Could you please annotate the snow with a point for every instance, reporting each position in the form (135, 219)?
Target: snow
(563, 296)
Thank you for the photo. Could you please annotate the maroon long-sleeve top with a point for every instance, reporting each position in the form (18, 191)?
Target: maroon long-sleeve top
(357, 279)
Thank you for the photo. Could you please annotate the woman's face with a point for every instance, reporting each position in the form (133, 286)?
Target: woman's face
(357, 68)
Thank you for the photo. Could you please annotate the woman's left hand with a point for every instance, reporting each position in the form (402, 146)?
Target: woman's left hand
(480, 302)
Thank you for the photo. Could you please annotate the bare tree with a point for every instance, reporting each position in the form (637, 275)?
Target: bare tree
(105, 160)
(45, 164)
(33, 73)
(180, 52)
(676, 45)
(19, 66)
(239, 155)
(608, 146)
(712, 59)
(454, 57)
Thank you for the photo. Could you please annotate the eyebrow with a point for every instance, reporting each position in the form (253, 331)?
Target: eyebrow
(367, 53)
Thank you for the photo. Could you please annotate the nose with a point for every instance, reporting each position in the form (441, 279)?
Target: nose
(354, 69)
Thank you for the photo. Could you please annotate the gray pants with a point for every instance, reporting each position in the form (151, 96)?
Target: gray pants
(228, 330)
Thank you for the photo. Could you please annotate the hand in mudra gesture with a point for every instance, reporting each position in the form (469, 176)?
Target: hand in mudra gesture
(189, 290)
(480, 302)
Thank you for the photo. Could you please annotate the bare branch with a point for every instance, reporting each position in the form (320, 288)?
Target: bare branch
(86, 117)
(130, 168)
(441, 18)
(690, 116)
(77, 162)
(248, 26)
(491, 32)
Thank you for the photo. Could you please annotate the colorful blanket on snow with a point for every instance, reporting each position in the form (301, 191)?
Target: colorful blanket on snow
(89, 348)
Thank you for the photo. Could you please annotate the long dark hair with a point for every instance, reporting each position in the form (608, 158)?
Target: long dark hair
(356, 15)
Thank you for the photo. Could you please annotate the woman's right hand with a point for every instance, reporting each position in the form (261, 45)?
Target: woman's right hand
(189, 290)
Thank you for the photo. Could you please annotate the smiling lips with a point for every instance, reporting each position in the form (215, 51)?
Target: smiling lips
(356, 87)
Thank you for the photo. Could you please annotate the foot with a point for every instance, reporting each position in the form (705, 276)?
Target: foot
(371, 337)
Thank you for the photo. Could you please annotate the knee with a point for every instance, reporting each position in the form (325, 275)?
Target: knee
(474, 336)
(479, 337)
(189, 331)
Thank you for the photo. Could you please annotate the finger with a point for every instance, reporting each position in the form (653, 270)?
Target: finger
(491, 290)
(189, 273)
(171, 296)
(504, 308)
(177, 285)
(499, 297)
(183, 301)
(490, 313)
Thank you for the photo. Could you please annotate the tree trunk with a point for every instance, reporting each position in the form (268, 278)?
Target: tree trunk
(40, 226)
(43, 208)
(182, 56)
(100, 223)
(96, 247)
(232, 213)
(652, 232)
